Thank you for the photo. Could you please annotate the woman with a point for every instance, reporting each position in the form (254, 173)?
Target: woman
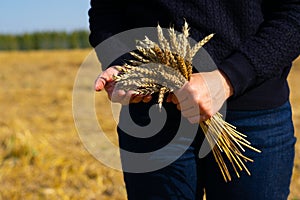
(253, 48)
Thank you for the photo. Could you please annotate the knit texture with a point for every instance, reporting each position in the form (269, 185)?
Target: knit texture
(255, 41)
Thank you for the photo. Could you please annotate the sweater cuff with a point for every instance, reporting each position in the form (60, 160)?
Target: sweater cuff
(239, 72)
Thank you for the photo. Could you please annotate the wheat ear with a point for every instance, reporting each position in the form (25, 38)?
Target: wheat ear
(165, 67)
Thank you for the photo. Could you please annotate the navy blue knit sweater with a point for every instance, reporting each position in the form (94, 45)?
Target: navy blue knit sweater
(254, 45)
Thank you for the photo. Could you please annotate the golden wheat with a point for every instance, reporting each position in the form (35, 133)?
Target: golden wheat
(165, 67)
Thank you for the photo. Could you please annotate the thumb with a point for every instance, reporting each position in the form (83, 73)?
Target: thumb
(100, 82)
(105, 77)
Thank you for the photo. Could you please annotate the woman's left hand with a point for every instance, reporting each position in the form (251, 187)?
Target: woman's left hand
(203, 96)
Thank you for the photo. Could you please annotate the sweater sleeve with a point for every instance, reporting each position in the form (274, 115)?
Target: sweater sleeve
(266, 54)
(104, 19)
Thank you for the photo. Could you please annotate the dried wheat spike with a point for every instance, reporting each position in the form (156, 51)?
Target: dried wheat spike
(163, 42)
(159, 54)
(149, 74)
(200, 44)
(139, 58)
(161, 95)
(165, 67)
(182, 67)
(173, 41)
(148, 53)
(148, 90)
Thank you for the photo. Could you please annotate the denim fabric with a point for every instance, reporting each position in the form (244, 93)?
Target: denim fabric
(272, 132)
(188, 177)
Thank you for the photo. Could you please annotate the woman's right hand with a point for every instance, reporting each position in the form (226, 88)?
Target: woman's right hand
(105, 81)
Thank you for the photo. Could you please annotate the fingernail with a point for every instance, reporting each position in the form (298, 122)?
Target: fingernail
(99, 85)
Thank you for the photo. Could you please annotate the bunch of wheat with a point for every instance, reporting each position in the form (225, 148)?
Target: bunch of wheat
(164, 67)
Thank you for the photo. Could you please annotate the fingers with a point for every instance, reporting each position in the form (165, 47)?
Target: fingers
(171, 98)
(136, 99)
(105, 77)
(120, 96)
(100, 83)
(191, 112)
(125, 98)
(140, 98)
(147, 99)
(197, 119)
(194, 112)
(194, 117)
(106, 81)
(194, 106)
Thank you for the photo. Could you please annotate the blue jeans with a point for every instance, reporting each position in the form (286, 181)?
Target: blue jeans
(188, 177)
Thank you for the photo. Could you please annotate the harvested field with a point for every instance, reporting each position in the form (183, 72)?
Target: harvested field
(41, 154)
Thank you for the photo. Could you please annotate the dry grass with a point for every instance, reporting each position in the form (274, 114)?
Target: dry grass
(294, 80)
(41, 155)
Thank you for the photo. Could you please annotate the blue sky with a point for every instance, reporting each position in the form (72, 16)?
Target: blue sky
(19, 16)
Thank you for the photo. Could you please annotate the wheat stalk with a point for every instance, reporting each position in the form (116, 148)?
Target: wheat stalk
(164, 67)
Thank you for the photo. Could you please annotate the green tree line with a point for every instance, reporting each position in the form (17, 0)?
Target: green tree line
(45, 40)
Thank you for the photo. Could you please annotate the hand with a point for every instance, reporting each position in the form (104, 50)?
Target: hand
(203, 96)
(105, 81)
